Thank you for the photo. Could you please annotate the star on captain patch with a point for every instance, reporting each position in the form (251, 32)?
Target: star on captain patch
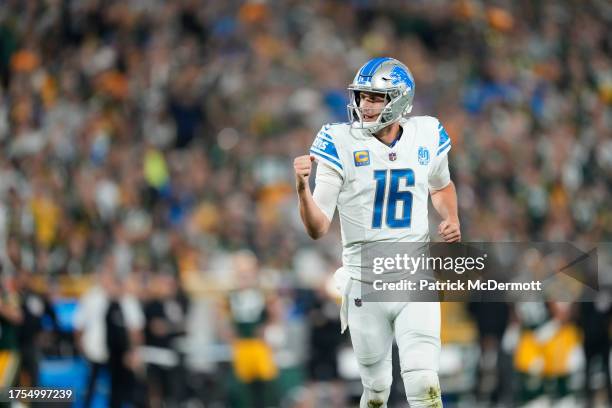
(393, 156)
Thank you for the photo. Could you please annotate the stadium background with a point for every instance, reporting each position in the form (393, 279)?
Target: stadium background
(151, 142)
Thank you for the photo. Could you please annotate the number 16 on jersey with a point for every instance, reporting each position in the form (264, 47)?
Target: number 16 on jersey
(394, 197)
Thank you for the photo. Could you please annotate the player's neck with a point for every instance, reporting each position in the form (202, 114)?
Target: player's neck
(389, 134)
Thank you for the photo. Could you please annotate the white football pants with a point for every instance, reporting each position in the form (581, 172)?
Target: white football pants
(416, 328)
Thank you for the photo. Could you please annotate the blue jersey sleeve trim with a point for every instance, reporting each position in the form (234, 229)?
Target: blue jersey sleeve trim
(323, 155)
(326, 136)
(326, 146)
(443, 135)
(442, 149)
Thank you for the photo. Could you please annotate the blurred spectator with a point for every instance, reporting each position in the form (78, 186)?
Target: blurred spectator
(108, 324)
(324, 344)
(546, 353)
(285, 333)
(165, 314)
(595, 321)
(11, 316)
(124, 322)
(491, 321)
(36, 307)
(90, 329)
(252, 357)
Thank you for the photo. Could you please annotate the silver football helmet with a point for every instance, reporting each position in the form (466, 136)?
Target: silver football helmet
(386, 76)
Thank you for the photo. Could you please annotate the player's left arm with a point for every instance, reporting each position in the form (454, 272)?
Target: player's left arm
(445, 203)
(442, 189)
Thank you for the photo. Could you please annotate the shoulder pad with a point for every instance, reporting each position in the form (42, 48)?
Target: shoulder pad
(433, 130)
(326, 145)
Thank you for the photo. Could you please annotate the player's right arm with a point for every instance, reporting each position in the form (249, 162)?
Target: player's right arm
(317, 208)
(314, 219)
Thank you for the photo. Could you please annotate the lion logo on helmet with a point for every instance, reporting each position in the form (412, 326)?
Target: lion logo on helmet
(400, 75)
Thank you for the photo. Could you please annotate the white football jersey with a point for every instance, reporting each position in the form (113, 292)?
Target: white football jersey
(385, 189)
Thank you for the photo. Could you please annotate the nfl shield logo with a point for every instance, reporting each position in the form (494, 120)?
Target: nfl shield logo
(423, 155)
(392, 156)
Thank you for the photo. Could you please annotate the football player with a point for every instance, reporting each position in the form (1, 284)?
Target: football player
(379, 170)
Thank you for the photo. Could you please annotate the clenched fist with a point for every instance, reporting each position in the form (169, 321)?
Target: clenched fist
(302, 166)
(450, 231)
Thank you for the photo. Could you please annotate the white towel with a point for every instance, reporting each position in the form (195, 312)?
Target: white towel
(343, 284)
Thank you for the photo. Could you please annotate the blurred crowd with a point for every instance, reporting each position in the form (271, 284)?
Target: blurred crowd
(158, 137)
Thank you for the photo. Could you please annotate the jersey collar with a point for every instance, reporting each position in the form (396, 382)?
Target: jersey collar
(394, 142)
(399, 136)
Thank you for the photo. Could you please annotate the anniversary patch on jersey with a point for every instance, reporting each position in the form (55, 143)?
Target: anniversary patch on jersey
(423, 155)
(362, 157)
